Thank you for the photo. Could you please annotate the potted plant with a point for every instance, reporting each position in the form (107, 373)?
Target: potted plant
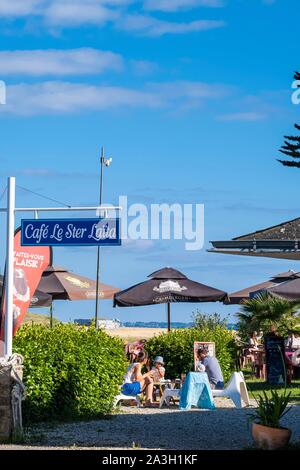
(267, 432)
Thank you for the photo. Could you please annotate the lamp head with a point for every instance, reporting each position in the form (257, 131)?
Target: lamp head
(107, 161)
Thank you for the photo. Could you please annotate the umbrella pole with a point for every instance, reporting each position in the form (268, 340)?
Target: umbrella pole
(169, 317)
(51, 315)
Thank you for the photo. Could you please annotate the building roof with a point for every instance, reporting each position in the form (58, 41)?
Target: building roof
(279, 241)
(289, 230)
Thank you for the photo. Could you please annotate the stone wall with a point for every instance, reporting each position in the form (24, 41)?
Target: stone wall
(8, 370)
(6, 384)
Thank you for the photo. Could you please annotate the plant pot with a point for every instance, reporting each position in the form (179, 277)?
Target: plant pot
(268, 438)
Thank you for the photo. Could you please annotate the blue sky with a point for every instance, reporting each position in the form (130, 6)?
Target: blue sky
(190, 97)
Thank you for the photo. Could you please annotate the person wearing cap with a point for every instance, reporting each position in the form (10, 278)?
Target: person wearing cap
(212, 368)
(158, 371)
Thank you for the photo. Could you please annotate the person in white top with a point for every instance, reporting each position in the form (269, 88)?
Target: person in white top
(293, 341)
(135, 382)
(253, 341)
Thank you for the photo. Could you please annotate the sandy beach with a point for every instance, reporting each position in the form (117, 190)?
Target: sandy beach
(133, 334)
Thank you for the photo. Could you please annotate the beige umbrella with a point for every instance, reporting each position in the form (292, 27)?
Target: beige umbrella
(62, 284)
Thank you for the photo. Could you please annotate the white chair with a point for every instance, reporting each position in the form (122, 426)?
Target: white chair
(122, 397)
(169, 394)
(236, 390)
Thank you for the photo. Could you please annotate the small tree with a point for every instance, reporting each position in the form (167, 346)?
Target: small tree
(208, 320)
(291, 147)
(267, 313)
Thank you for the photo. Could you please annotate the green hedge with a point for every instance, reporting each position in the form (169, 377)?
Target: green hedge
(69, 371)
(176, 348)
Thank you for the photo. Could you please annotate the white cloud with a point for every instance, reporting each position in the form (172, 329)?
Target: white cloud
(56, 97)
(54, 8)
(189, 89)
(174, 5)
(243, 116)
(74, 13)
(149, 26)
(143, 67)
(58, 62)
(64, 97)
(77, 12)
(16, 8)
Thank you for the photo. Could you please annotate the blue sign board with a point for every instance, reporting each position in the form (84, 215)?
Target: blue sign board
(71, 232)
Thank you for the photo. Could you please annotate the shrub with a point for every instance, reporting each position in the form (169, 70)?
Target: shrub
(176, 348)
(208, 320)
(69, 371)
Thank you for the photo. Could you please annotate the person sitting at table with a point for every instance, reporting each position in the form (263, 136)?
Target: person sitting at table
(253, 341)
(212, 368)
(249, 351)
(293, 341)
(135, 382)
(158, 370)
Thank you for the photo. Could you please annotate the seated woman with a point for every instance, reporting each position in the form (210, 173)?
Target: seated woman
(135, 382)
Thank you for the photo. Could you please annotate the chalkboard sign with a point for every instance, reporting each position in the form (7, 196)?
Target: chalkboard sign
(274, 347)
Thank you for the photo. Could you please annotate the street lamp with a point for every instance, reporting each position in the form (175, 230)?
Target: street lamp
(104, 162)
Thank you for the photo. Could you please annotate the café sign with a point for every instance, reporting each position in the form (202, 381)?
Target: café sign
(71, 232)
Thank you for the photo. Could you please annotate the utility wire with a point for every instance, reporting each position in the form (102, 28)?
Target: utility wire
(3, 193)
(45, 197)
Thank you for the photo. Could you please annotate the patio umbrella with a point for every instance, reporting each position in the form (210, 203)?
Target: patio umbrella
(289, 290)
(39, 299)
(165, 286)
(249, 292)
(62, 284)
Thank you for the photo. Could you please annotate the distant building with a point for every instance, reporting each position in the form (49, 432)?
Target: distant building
(108, 324)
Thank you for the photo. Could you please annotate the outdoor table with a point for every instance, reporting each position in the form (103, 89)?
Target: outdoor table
(196, 391)
(161, 385)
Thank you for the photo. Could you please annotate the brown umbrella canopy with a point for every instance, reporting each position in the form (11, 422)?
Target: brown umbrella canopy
(65, 285)
(245, 294)
(165, 286)
(289, 290)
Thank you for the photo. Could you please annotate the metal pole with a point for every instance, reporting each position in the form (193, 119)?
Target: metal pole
(98, 247)
(169, 317)
(9, 276)
(51, 315)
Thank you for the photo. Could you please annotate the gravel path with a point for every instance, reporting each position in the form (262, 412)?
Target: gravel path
(223, 428)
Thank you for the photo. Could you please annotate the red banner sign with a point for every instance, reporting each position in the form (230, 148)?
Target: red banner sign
(29, 264)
